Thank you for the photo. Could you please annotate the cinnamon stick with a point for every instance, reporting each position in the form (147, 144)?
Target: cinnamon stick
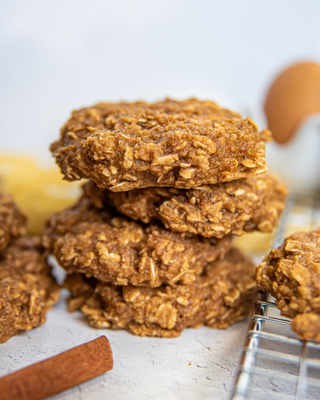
(58, 373)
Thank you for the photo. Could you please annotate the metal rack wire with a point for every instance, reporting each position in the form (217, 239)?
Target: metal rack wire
(275, 363)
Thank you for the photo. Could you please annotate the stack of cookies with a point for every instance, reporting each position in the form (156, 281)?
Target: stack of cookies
(27, 288)
(148, 246)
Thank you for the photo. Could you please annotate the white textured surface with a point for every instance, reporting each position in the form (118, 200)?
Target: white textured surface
(143, 367)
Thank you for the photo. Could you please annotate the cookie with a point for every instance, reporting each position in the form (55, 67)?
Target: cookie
(291, 274)
(223, 294)
(179, 144)
(307, 325)
(123, 252)
(236, 207)
(12, 220)
(27, 288)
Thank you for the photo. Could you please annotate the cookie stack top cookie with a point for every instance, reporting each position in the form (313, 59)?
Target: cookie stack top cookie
(169, 184)
(180, 144)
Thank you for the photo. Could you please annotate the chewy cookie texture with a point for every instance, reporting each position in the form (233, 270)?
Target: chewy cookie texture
(12, 221)
(27, 288)
(223, 294)
(291, 274)
(171, 143)
(118, 250)
(147, 246)
(236, 207)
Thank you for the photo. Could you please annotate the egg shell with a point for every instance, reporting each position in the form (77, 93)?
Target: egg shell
(293, 95)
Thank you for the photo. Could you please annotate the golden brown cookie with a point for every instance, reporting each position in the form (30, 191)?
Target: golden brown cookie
(171, 143)
(118, 250)
(12, 221)
(291, 274)
(27, 288)
(223, 294)
(235, 207)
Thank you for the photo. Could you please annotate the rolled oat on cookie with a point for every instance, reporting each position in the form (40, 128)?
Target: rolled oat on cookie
(170, 143)
(223, 294)
(291, 273)
(237, 207)
(27, 289)
(115, 249)
(12, 221)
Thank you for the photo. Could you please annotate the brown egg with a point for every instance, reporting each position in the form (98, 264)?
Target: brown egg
(293, 95)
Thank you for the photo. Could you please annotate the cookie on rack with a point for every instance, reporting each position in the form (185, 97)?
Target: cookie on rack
(27, 288)
(236, 207)
(12, 221)
(171, 143)
(222, 295)
(118, 250)
(291, 274)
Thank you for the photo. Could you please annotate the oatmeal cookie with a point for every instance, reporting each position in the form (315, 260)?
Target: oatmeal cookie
(291, 274)
(123, 252)
(12, 221)
(171, 143)
(223, 294)
(27, 289)
(235, 207)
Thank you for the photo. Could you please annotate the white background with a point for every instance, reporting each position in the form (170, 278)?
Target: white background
(64, 54)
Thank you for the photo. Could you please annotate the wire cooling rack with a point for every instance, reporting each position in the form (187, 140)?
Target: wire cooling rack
(275, 363)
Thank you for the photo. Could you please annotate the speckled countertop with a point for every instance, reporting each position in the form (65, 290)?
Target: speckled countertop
(200, 364)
